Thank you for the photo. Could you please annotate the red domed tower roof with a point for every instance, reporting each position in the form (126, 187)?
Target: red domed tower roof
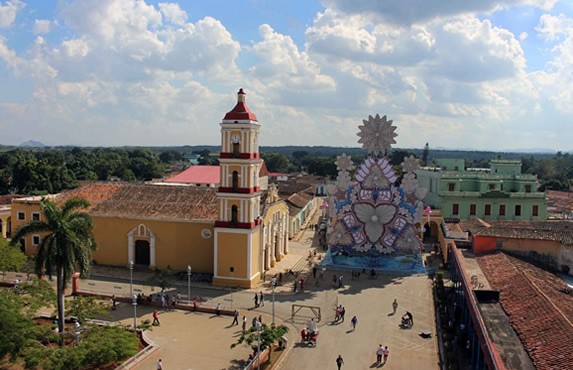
(241, 111)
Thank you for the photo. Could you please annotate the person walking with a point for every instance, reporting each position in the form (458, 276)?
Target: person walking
(339, 362)
(386, 353)
(354, 321)
(235, 318)
(340, 281)
(379, 353)
(394, 306)
(218, 309)
(244, 324)
(342, 313)
(159, 365)
(256, 299)
(155, 318)
(261, 299)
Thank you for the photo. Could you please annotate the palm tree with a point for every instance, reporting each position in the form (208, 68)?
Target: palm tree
(67, 246)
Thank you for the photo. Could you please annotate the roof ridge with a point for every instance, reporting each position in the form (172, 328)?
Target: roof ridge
(525, 274)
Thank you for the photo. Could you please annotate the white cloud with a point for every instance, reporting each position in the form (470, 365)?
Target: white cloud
(8, 11)
(173, 13)
(43, 26)
(128, 72)
(551, 27)
(407, 12)
(283, 66)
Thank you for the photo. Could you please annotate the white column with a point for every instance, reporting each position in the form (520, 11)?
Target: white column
(130, 251)
(151, 249)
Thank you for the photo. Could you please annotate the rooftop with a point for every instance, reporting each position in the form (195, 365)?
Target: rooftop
(240, 111)
(117, 199)
(197, 175)
(539, 306)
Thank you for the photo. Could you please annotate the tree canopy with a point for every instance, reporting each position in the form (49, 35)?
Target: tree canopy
(66, 246)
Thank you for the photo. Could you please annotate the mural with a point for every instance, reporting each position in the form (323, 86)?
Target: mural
(373, 219)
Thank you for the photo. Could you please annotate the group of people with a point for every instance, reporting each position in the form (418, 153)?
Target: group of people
(259, 300)
(382, 352)
(340, 311)
(337, 280)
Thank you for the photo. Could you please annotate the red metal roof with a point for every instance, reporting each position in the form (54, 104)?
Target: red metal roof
(241, 111)
(198, 175)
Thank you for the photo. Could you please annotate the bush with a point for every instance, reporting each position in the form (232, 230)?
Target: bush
(99, 346)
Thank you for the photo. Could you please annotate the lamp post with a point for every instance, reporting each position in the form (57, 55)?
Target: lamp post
(134, 303)
(259, 326)
(273, 284)
(188, 284)
(77, 331)
(130, 267)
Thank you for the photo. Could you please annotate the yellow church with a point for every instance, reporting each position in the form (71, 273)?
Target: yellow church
(234, 232)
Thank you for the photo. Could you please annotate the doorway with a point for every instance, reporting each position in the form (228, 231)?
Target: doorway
(142, 255)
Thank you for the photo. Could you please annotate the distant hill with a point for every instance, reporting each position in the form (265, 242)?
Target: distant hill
(32, 144)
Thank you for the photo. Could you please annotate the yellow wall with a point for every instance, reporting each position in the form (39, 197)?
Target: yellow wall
(177, 244)
(232, 252)
(26, 206)
(256, 272)
(552, 248)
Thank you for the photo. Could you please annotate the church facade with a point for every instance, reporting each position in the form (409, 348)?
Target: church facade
(234, 232)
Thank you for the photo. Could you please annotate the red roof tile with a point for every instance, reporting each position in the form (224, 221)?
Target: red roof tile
(185, 203)
(197, 175)
(539, 306)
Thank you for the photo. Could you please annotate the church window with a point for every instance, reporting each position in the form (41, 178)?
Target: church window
(234, 215)
(235, 181)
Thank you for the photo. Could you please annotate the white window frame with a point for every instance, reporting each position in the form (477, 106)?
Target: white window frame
(34, 214)
(23, 214)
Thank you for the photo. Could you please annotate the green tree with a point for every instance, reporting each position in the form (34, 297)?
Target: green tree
(162, 278)
(276, 162)
(66, 247)
(16, 329)
(269, 334)
(11, 257)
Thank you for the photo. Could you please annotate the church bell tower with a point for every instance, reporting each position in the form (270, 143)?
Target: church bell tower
(237, 229)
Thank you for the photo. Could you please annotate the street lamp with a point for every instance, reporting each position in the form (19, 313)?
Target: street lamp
(77, 331)
(259, 326)
(188, 284)
(130, 267)
(273, 284)
(134, 303)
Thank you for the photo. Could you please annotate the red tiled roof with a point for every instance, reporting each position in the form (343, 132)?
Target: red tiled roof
(473, 225)
(7, 199)
(241, 111)
(197, 175)
(264, 170)
(118, 199)
(535, 230)
(93, 192)
(538, 306)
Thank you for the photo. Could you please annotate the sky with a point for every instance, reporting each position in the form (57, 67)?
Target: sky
(476, 75)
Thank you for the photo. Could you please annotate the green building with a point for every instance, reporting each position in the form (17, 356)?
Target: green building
(500, 192)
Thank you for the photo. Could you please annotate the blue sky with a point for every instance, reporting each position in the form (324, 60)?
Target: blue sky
(490, 75)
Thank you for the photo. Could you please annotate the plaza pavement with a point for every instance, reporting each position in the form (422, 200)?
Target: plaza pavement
(195, 340)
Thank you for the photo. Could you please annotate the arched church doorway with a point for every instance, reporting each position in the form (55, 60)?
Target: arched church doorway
(142, 253)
